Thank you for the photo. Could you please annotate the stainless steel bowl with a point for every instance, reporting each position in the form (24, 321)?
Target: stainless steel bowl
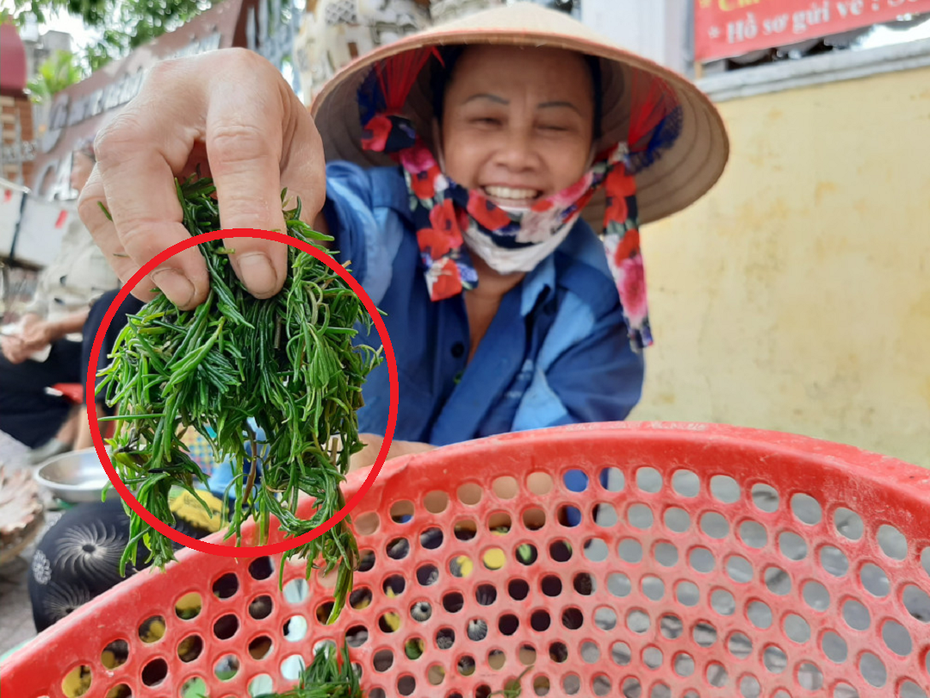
(74, 477)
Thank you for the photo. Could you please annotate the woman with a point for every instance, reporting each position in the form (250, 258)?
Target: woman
(504, 310)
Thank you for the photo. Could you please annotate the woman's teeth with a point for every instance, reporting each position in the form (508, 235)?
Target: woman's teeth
(508, 193)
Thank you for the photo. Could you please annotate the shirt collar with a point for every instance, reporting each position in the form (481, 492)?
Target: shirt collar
(537, 282)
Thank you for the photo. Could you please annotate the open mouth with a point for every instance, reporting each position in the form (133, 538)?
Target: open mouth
(512, 197)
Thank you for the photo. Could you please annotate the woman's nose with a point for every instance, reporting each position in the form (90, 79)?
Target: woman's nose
(517, 151)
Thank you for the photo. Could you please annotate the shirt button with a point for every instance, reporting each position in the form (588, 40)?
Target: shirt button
(458, 350)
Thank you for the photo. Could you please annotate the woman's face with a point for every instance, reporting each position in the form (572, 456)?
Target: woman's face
(517, 123)
(81, 167)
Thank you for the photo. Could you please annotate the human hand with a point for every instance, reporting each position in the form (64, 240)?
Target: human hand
(233, 114)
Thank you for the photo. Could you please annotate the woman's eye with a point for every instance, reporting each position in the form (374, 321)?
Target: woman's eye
(487, 121)
(553, 127)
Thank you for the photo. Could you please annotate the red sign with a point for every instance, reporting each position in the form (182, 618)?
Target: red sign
(727, 28)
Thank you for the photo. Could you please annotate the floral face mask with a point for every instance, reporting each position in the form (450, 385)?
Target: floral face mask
(448, 216)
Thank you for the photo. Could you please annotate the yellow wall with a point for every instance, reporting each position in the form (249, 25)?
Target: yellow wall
(796, 295)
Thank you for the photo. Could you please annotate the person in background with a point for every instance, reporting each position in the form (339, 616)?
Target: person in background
(45, 348)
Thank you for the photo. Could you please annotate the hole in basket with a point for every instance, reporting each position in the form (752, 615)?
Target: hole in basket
(749, 687)
(421, 611)
(717, 675)
(759, 614)
(261, 606)
(653, 588)
(875, 580)
(227, 668)
(590, 653)
(584, 584)
(558, 652)
(572, 618)
(477, 629)
(152, 629)
(324, 611)
(188, 606)
(677, 520)
(792, 546)
(383, 660)
(436, 675)
(194, 688)
(398, 548)
(505, 487)
(753, 534)
(848, 524)
(601, 685)
(621, 654)
(724, 489)
(190, 648)
(605, 515)
(834, 561)
(765, 498)
(494, 559)
(649, 480)
(541, 686)
(595, 550)
(540, 621)
(115, 654)
(534, 519)
(636, 621)
(632, 688)
(500, 523)
(486, 594)
(225, 626)
(295, 628)
(461, 566)
(260, 646)
(402, 511)
(356, 636)
(630, 551)
(78, 681)
(704, 634)
(797, 629)
(465, 530)
(612, 479)
(722, 602)
(470, 493)
(379, 693)
(640, 516)
(834, 647)
(296, 591)
(518, 589)
(466, 665)
(539, 483)
(431, 538)
(686, 484)
(527, 655)
(551, 586)
(154, 672)
(453, 602)
(226, 586)
(496, 659)
(568, 516)
(366, 560)
(856, 615)
(897, 638)
(394, 586)
(121, 690)
(261, 568)
(575, 480)
(873, 670)
(560, 550)
(909, 689)
(367, 524)
(436, 502)
(427, 575)
(777, 581)
(683, 664)
(715, 525)
(571, 684)
(653, 657)
(687, 594)
(261, 685)
(775, 659)
(445, 638)
(917, 603)
(414, 648)
(806, 509)
(665, 554)
(892, 542)
(701, 560)
(671, 627)
(389, 622)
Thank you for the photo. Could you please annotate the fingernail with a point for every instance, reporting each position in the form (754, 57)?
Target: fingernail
(175, 285)
(257, 274)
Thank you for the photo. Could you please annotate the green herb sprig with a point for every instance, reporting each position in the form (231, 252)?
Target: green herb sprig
(326, 677)
(290, 363)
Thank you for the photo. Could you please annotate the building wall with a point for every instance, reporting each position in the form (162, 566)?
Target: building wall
(16, 119)
(796, 295)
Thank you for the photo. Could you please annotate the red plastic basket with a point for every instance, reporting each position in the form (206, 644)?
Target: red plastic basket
(695, 561)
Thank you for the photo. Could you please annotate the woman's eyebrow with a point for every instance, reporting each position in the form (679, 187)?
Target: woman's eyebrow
(489, 97)
(559, 104)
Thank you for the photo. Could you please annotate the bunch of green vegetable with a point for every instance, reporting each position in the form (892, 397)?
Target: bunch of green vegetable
(326, 677)
(288, 364)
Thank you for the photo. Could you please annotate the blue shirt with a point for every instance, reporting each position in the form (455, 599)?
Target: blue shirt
(555, 353)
